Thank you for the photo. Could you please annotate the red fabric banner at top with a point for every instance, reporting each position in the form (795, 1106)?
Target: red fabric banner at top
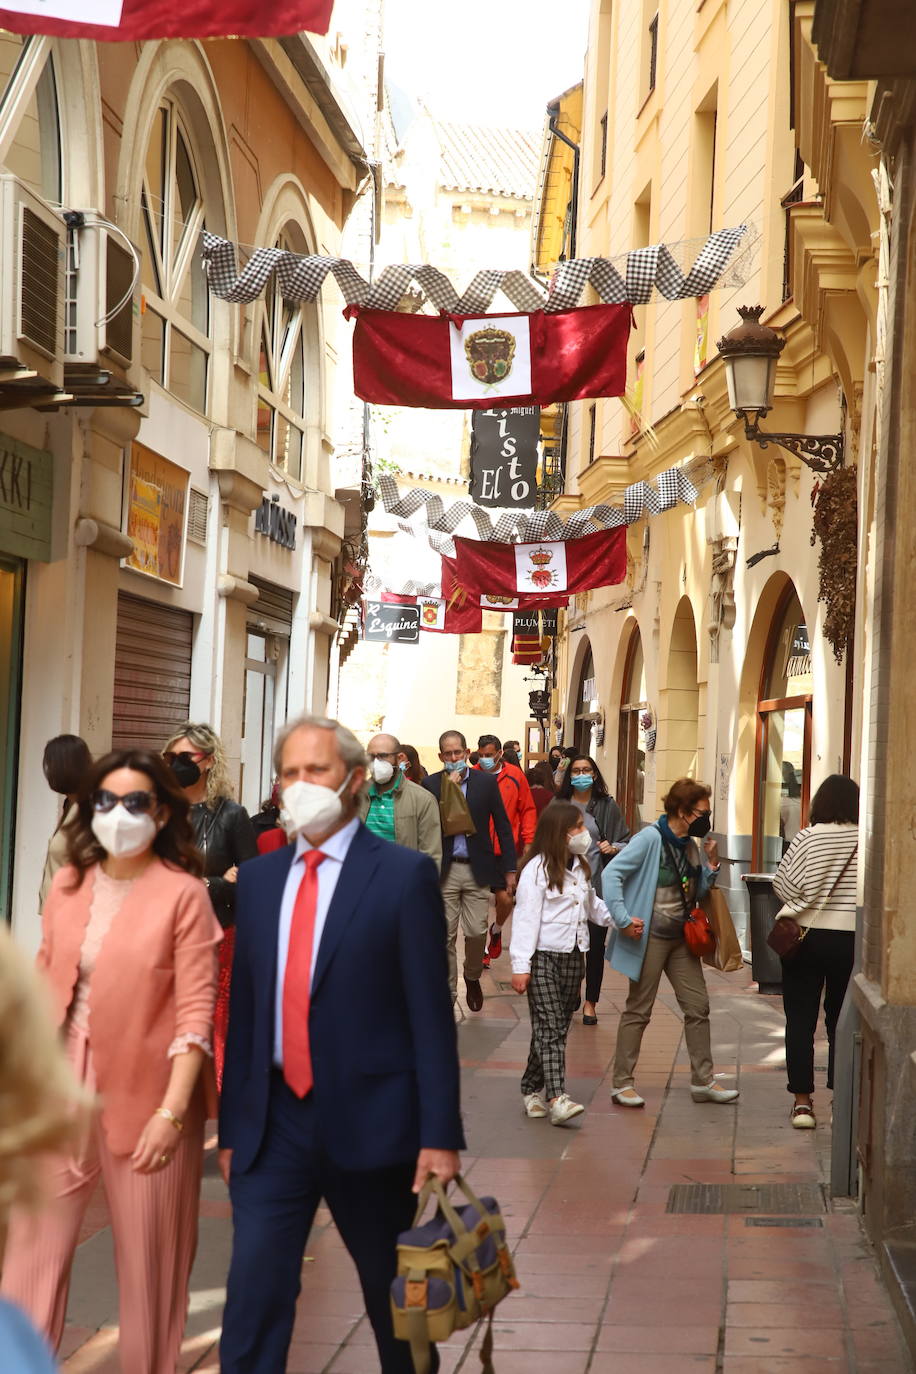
(458, 362)
(131, 20)
(563, 566)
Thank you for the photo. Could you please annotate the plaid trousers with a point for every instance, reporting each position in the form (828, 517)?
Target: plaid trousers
(552, 996)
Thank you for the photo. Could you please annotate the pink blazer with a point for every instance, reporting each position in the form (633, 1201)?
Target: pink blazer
(155, 979)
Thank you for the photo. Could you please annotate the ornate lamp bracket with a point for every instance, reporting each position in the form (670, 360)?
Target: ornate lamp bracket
(819, 452)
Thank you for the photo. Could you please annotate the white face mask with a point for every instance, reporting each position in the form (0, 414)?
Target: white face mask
(579, 843)
(313, 809)
(122, 835)
(382, 770)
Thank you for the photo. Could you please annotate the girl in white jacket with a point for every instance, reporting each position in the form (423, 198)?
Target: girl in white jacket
(554, 902)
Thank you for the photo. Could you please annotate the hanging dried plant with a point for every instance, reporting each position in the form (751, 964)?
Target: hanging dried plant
(836, 526)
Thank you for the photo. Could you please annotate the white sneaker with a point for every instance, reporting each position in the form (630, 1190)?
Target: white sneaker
(535, 1104)
(802, 1117)
(713, 1093)
(563, 1109)
(627, 1097)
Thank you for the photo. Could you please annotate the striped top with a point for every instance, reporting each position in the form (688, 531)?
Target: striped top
(809, 868)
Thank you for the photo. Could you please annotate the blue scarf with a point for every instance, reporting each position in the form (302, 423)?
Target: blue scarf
(679, 842)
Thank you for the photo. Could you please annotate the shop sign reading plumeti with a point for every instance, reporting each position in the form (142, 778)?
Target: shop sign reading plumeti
(157, 504)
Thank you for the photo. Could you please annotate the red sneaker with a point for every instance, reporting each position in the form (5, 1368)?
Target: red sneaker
(496, 943)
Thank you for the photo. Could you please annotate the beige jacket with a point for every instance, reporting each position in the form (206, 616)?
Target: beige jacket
(416, 819)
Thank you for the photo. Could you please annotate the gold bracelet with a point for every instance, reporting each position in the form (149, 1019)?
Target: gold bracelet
(170, 1116)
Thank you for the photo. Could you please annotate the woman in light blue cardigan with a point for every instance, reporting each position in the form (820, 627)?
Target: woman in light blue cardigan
(648, 888)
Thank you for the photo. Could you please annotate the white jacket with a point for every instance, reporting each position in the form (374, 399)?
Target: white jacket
(550, 920)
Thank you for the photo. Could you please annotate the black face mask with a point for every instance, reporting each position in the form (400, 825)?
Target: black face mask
(700, 825)
(186, 770)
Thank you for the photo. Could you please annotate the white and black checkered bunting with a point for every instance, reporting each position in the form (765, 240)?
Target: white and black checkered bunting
(673, 271)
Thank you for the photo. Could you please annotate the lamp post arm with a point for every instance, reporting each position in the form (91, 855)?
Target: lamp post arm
(820, 452)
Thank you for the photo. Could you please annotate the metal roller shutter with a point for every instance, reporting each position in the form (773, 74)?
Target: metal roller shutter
(152, 687)
(273, 610)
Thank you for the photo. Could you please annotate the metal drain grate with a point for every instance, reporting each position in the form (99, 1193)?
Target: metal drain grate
(783, 1221)
(766, 1199)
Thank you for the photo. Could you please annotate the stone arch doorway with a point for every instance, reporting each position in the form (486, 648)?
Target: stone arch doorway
(679, 703)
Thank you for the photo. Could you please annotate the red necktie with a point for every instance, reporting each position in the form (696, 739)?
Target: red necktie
(297, 1057)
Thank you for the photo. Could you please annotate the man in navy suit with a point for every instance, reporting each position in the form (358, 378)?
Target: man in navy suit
(344, 1087)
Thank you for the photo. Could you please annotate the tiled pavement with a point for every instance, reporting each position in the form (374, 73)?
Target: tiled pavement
(612, 1283)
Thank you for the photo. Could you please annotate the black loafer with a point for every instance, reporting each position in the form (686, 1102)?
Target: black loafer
(589, 1020)
(474, 994)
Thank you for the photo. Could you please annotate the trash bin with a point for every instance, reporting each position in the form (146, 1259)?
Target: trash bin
(766, 965)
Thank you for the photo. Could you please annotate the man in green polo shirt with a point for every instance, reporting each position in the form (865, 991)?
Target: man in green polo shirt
(396, 809)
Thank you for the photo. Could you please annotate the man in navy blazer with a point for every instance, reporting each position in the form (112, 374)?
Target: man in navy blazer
(383, 1110)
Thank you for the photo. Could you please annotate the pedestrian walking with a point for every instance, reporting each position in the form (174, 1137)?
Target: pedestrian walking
(129, 953)
(396, 809)
(540, 780)
(267, 826)
(409, 763)
(225, 838)
(342, 1077)
(66, 762)
(649, 888)
(583, 785)
(472, 867)
(556, 907)
(816, 880)
(522, 812)
(42, 1110)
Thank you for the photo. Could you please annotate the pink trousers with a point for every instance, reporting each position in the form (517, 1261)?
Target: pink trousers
(154, 1223)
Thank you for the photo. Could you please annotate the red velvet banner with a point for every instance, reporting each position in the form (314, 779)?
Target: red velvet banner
(131, 20)
(566, 566)
(457, 362)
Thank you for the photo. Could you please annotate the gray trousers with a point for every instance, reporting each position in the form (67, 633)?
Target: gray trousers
(685, 974)
(469, 905)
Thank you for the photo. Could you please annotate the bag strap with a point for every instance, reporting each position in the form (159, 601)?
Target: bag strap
(434, 1185)
(833, 887)
(672, 859)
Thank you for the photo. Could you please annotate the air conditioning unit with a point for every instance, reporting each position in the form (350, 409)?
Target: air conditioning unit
(100, 277)
(32, 248)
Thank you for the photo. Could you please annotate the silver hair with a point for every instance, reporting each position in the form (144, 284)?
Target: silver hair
(349, 747)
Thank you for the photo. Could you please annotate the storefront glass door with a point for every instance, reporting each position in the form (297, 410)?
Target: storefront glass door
(12, 578)
(260, 711)
(784, 738)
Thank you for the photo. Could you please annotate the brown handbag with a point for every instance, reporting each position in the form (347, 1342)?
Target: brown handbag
(787, 936)
(727, 956)
(454, 812)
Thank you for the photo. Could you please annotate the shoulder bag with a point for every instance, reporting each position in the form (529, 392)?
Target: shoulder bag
(699, 936)
(787, 936)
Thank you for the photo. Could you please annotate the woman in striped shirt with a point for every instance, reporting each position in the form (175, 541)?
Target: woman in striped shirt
(817, 882)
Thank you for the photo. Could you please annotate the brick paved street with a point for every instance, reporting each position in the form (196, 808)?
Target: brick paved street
(612, 1283)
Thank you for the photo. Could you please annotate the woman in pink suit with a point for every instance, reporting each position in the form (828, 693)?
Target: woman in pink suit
(129, 952)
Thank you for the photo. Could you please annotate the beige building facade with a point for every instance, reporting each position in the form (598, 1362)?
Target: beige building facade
(176, 551)
(711, 658)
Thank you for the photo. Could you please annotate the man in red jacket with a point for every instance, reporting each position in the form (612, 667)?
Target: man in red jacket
(522, 812)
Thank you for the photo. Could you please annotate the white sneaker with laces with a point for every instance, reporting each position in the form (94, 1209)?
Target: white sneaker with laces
(563, 1109)
(713, 1093)
(535, 1104)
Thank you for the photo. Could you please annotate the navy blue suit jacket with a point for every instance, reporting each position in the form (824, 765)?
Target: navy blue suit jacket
(381, 1026)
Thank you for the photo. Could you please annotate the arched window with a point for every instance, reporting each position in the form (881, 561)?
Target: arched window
(585, 705)
(783, 735)
(176, 303)
(29, 114)
(282, 378)
(631, 757)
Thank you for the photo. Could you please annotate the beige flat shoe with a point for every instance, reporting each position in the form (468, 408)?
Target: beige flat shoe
(627, 1097)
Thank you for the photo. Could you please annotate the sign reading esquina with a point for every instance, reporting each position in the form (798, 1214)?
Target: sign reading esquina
(26, 495)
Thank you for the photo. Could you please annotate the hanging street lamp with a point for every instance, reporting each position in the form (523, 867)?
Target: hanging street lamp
(750, 353)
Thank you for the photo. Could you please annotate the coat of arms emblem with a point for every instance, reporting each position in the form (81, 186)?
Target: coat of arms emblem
(541, 573)
(489, 354)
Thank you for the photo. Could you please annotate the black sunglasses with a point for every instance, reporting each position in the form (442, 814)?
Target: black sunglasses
(137, 803)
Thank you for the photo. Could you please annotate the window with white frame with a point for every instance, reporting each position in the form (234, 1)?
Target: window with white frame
(176, 303)
(29, 114)
(282, 378)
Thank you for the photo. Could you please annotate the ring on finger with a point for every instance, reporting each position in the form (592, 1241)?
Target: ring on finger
(164, 1159)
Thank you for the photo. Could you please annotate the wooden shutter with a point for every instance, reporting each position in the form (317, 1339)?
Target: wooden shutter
(152, 688)
(273, 610)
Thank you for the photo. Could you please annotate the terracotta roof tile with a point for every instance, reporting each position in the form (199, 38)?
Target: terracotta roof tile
(494, 161)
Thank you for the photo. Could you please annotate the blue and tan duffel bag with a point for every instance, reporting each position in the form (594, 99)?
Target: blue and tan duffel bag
(452, 1271)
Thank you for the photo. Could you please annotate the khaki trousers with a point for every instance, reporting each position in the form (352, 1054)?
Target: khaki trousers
(468, 904)
(685, 974)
